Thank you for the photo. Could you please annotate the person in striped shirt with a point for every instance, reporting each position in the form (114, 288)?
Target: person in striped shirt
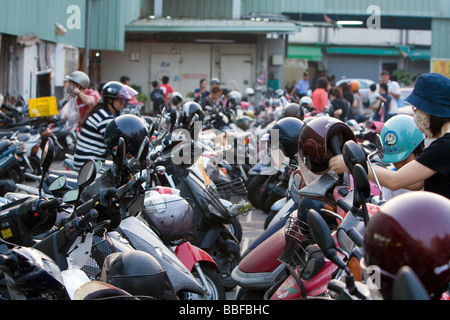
(91, 144)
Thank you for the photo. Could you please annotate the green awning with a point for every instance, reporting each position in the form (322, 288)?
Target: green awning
(364, 51)
(416, 53)
(311, 53)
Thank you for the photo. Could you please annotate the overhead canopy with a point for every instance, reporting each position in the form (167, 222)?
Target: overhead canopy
(416, 53)
(375, 51)
(312, 53)
(211, 25)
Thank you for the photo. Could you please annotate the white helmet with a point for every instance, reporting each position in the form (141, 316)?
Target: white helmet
(249, 92)
(306, 102)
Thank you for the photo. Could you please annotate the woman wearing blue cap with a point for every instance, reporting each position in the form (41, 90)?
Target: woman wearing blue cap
(431, 170)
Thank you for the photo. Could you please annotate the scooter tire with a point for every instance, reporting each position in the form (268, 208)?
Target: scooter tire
(236, 229)
(248, 294)
(227, 256)
(255, 196)
(214, 284)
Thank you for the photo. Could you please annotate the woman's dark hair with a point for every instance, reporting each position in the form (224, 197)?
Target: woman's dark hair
(384, 87)
(337, 92)
(417, 151)
(322, 83)
(165, 80)
(216, 89)
(436, 124)
(201, 81)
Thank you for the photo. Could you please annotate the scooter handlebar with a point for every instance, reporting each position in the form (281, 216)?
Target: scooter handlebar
(84, 221)
(43, 205)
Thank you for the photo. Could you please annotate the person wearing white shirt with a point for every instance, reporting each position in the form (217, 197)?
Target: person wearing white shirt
(394, 92)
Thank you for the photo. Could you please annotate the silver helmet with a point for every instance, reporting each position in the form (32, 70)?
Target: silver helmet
(80, 78)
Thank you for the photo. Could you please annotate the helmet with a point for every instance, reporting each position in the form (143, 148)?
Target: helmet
(400, 137)
(138, 273)
(176, 98)
(249, 92)
(250, 113)
(190, 109)
(306, 102)
(279, 93)
(289, 130)
(117, 90)
(294, 110)
(80, 78)
(171, 215)
(234, 98)
(354, 85)
(314, 146)
(244, 122)
(412, 229)
(131, 128)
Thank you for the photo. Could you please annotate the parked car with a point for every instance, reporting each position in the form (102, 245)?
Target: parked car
(364, 87)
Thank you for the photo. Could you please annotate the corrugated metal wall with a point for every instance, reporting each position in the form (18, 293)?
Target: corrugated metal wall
(440, 47)
(198, 9)
(22, 17)
(420, 8)
(108, 21)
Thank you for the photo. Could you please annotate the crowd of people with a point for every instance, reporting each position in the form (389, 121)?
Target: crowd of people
(346, 99)
(427, 170)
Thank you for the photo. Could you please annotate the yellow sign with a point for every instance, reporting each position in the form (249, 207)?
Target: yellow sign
(441, 66)
(6, 233)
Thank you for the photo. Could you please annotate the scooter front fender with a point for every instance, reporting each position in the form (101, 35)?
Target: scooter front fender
(190, 254)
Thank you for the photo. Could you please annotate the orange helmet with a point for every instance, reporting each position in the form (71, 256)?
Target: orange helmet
(354, 85)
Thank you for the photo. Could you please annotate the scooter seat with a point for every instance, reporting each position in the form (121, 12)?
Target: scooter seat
(21, 129)
(6, 134)
(23, 137)
(4, 145)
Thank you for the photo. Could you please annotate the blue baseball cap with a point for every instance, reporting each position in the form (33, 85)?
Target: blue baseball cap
(431, 94)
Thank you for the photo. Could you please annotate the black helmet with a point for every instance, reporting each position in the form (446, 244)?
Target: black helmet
(289, 131)
(117, 90)
(138, 273)
(244, 122)
(131, 128)
(190, 109)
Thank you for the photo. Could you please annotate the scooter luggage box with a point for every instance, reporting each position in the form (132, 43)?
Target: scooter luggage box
(11, 227)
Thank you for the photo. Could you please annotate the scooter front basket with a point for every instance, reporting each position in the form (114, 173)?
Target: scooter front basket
(294, 253)
(102, 246)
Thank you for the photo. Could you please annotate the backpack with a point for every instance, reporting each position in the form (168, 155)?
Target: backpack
(157, 96)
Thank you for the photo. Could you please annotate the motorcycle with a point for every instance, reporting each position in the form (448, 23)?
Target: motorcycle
(351, 221)
(9, 163)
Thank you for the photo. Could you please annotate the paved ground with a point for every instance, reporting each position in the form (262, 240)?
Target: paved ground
(252, 227)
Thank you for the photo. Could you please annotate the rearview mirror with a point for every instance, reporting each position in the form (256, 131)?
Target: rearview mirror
(121, 154)
(47, 155)
(58, 184)
(143, 151)
(71, 196)
(353, 155)
(322, 235)
(87, 174)
(379, 146)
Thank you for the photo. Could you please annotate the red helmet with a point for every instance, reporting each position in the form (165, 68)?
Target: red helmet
(315, 145)
(412, 230)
